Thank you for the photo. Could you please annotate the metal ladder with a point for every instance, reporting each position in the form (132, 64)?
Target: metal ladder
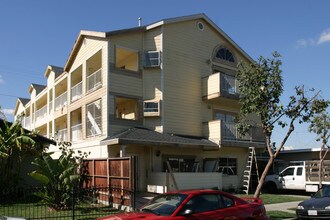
(251, 160)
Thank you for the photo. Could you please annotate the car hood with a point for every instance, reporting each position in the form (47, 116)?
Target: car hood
(316, 203)
(132, 215)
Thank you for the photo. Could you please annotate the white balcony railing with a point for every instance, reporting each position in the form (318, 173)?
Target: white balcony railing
(27, 122)
(41, 113)
(76, 92)
(76, 132)
(61, 135)
(229, 131)
(50, 107)
(61, 101)
(94, 80)
(219, 130)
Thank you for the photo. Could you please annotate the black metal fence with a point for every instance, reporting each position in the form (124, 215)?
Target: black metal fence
(87, 203)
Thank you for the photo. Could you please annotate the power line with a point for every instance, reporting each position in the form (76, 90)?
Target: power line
(2, 94)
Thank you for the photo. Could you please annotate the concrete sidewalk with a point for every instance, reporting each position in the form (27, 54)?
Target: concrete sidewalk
(286, 206)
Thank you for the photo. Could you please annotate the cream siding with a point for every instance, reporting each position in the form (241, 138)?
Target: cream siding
(187, 55)
(124, 84)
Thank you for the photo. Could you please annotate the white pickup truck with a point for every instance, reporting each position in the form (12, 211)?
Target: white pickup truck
(296, 178)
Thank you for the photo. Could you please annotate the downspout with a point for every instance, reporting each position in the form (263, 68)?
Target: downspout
(162, 86)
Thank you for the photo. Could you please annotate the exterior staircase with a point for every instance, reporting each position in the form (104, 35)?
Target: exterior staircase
(249, 172)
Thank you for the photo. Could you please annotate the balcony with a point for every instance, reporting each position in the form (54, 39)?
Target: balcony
(41, 115)
(76, 92)
(76, 132)
(220, 86)
(62, 135)
(26, 122)
(94, 80)
(61, 101)
(225, 133)
(51, 111)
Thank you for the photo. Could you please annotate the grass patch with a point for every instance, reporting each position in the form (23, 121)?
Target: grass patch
(279, 215)
(275, 198)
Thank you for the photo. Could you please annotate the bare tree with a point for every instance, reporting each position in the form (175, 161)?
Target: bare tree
(320, 125)
(261, 87)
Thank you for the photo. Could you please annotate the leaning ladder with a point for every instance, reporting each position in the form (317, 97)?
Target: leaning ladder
(251, 160)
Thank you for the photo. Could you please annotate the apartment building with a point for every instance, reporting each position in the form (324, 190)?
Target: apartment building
(165, 93)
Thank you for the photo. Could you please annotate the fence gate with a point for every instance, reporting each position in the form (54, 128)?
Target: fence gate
(118, 174)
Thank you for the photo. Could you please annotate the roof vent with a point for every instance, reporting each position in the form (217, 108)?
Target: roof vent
(140, 21)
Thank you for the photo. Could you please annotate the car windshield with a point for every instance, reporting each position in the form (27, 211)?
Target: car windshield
(323, 192)
(164, 204)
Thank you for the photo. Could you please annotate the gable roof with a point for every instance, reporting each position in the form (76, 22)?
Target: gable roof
(37, 87)
(56, 69)
(208, 20)
(77, 43)
(23, 101)
(142, 136)
(85, 33)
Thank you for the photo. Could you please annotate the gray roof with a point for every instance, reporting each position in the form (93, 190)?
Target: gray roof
(57, 70)
(38, 87)
(139, 135)
(24, 101)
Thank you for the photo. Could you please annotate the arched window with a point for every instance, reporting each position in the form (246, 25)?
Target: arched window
(225, 54)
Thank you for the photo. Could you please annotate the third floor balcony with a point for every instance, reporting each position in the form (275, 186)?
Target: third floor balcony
(61, 101)
(220, 86)
(94, 80)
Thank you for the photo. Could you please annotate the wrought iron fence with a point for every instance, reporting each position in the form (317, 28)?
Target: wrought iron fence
(87, 203)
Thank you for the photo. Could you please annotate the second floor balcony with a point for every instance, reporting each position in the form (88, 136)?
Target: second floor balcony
(226, 133)
(76, 132)
(61, 101)
(41, 114)
(61, 135)
(76, 92)
(220, 86)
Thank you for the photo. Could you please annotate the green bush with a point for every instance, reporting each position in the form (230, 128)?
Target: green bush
(58, 176)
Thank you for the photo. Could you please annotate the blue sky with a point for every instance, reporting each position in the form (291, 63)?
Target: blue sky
(34, 34)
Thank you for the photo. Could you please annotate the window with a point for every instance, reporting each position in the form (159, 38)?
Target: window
(228, 127)
(224, 116)
(151, 59)
(126, 108)
(225, 54)
(288, 172)
(203, 203)
(227, 202)
(127, 59)
(151, 108)
(228, 83)
(227, 166)
(299, 171)
(180, 164)
(94, 119)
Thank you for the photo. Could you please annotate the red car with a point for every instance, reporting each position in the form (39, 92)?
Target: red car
(197, 204)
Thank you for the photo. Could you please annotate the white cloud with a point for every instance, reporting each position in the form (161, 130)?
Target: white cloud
(1, 80)
(305, 43)
(325, 37)
(8, 111)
